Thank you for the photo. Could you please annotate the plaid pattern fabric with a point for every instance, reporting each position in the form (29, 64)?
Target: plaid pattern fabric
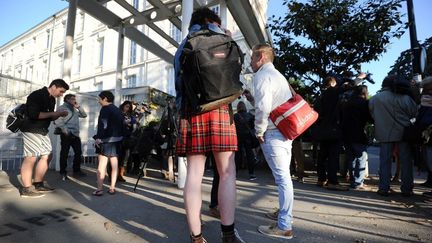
(207, 132)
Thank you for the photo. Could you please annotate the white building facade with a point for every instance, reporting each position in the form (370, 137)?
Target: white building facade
(37, 55)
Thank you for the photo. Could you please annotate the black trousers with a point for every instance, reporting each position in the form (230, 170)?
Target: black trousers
(68, 141)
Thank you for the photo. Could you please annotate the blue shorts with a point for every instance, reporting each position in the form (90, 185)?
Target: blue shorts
(109, 149)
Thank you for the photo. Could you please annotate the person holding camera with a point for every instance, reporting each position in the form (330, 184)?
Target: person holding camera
(392, 109)
(69, 135)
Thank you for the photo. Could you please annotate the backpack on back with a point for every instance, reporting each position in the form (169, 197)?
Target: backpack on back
(211, 64)
(16, 117)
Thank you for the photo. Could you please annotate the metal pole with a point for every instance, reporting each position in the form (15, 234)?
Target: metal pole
(415, 47)
(119, 69)
(68, 48)
(223, 13)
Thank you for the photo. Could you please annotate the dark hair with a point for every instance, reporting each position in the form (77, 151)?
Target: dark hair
(241, 107)
(68, 96)
(59, 83)
(126, 102)
(108, 95)
(203, 16)
(360, 90)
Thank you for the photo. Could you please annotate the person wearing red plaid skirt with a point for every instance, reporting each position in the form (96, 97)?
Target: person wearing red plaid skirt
(210, 132)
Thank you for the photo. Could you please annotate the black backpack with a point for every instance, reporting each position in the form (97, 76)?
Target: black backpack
(211, 63)
(16, 118)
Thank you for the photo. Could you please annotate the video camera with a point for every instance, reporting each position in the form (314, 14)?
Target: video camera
(141, 109)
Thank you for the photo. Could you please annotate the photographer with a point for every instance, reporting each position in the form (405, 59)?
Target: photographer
(168, 130)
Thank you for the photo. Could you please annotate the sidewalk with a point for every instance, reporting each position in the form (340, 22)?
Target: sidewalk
(154, 213)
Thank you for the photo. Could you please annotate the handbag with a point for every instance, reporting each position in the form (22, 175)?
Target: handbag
(293, 117)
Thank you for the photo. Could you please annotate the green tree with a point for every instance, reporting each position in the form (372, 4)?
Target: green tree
(403, 65)
(321, 37)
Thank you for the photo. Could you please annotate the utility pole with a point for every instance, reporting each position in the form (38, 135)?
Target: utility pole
(415, 46)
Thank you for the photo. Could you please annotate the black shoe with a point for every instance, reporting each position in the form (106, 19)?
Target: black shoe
(384, 193)
(30, 192)
(64, 177)
(426, 184)
(41, 187)
(79, 174)
(407, 194)
(252, 177)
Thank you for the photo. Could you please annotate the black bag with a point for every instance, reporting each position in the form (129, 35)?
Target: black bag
(211, 64)
(16, 118)
(413, 134)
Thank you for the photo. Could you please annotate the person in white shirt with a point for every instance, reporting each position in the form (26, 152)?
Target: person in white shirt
(271, 90)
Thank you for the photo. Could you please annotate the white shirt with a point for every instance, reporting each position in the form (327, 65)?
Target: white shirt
(271, 90)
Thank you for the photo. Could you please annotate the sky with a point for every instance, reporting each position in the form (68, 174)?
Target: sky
(18, 16)
(380, 68)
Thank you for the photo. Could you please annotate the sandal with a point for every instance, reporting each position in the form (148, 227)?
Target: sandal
(111, 191)
(98, 193)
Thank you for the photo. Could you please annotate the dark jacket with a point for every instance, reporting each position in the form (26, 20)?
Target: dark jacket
(355, 116)
(110, 124)
(38, 101)
(244, 122)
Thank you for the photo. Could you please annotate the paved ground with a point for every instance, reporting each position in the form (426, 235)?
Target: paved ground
(155, 212)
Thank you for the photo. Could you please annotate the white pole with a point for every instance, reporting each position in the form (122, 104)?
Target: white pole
(187, 9)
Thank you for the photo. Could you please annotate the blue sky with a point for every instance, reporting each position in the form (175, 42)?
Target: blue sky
(380, 68)
(18, 16)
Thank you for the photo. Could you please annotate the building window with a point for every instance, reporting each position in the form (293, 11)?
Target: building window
(132, 57)
(99, 86)
(175, 33)
(131, 81)
(77, 60)
(30, 73)
(127, 97)
(81, 29)
(136, 4)
(101, 51)
(171, 82)
(216, 9)
(48, 38)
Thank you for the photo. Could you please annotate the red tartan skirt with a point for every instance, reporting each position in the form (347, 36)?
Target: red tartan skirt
(208, 132)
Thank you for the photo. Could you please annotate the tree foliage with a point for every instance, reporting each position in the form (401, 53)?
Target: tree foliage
(321, 37)
(403, 64)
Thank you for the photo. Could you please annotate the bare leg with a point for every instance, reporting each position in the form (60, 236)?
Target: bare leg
(227, 186)
(192, 191)
(170, 168)
(114, 170)
(42, 167)
(103, 161)
(27, 170)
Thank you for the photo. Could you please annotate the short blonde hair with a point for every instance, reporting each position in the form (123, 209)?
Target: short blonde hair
(265, 49)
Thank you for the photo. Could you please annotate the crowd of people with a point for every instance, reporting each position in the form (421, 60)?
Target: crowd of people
(230, 140)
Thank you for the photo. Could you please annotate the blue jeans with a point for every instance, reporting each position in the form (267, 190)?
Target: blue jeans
(405, 159)
(277, 152)
(357, 158)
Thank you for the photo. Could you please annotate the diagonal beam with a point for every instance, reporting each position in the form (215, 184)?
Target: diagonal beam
(164, 7)
(246, 19)
(111, 20)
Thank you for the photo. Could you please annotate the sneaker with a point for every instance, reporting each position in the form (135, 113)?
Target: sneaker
(232, 237)
(427, 194)
(273, 215)
(274, 231)
(337, 187)
(198, 239)
(322, 183)
(64, 177)
(30, 192)
(214, 212)
(41, 187)
(252, 178)
(79, 174)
